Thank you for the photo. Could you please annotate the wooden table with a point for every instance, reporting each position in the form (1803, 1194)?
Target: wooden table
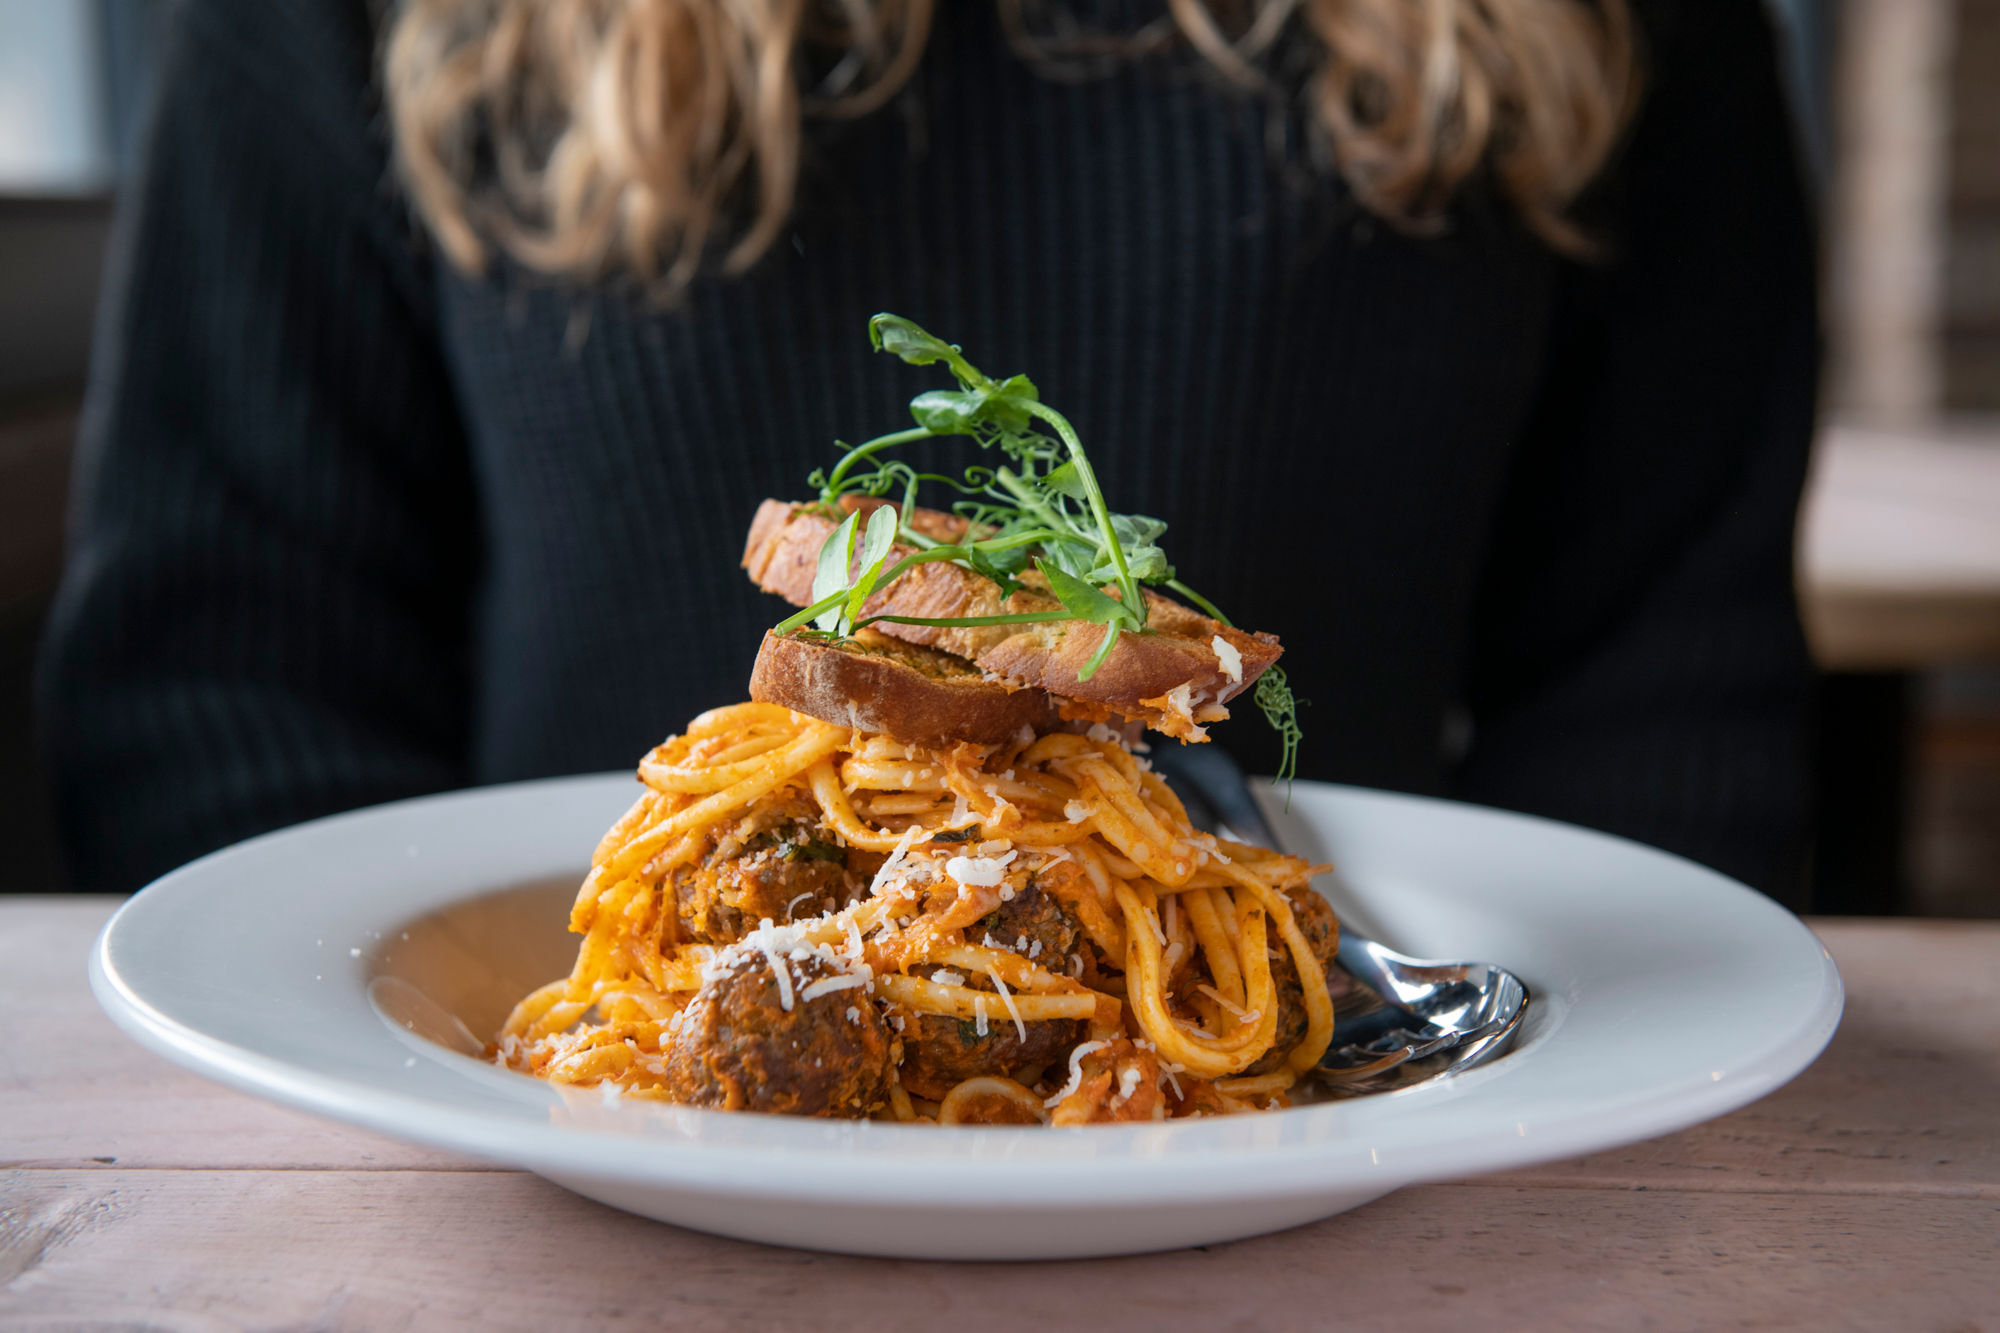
(1864, 1195)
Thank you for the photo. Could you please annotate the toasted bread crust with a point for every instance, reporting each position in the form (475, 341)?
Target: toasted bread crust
(878, 684)
(1142, 679)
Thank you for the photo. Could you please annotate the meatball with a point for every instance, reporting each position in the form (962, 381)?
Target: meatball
(940, 1051)
(739, 1047)
(1322, 931)
(1033, 924)
(777, 863)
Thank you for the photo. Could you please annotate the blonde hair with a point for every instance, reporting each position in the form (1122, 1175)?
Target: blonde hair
(587, 136)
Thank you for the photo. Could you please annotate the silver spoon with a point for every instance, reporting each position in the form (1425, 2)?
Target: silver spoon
(1398, 1021)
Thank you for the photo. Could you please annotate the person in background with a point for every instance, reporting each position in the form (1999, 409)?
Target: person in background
(1468, 345)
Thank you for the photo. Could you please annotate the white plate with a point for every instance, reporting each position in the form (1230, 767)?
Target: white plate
(303, 966)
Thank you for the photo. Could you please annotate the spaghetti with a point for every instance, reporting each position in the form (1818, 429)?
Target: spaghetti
(797, 917)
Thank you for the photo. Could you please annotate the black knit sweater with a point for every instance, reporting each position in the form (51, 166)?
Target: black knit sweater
(350, 526)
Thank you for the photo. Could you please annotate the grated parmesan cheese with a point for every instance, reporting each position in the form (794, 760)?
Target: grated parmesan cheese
(828, 985)
(775, 944)
(1006, 998)
(781, 973)
(979, 872)
(1230, 659)
(1076, 812)
(1075, 1071)
(1129, 1079)
(1236, 1011)
(892, 868)
(1180, 702)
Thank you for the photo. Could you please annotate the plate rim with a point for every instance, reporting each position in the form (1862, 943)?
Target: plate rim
(693, 1167)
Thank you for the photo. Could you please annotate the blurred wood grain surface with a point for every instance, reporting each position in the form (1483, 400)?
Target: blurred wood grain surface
(1865, 1194)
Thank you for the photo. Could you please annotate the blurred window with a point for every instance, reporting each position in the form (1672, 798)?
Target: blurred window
(54, 135)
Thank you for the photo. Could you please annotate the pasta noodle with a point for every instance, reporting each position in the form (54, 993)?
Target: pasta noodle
(794, 916)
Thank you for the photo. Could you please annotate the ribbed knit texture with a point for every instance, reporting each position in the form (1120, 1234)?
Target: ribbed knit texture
(351, 527)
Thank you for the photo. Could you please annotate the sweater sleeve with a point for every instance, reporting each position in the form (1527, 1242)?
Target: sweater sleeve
(264, 617)
(1637, 663)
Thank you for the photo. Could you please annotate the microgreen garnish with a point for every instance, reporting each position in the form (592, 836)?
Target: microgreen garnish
(1041, 509)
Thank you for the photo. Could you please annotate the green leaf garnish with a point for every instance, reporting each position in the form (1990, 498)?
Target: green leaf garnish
(1081, 600)
(836, 557)
(1086, 603)
(999, 566)
(1066, 480)
(812, 849)
(1042, 507)
(901, 337)
(876, 546)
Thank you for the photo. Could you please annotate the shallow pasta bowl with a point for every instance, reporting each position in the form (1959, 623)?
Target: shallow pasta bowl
(352, 966)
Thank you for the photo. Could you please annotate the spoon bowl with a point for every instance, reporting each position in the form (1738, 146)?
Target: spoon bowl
(1400, 1020)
